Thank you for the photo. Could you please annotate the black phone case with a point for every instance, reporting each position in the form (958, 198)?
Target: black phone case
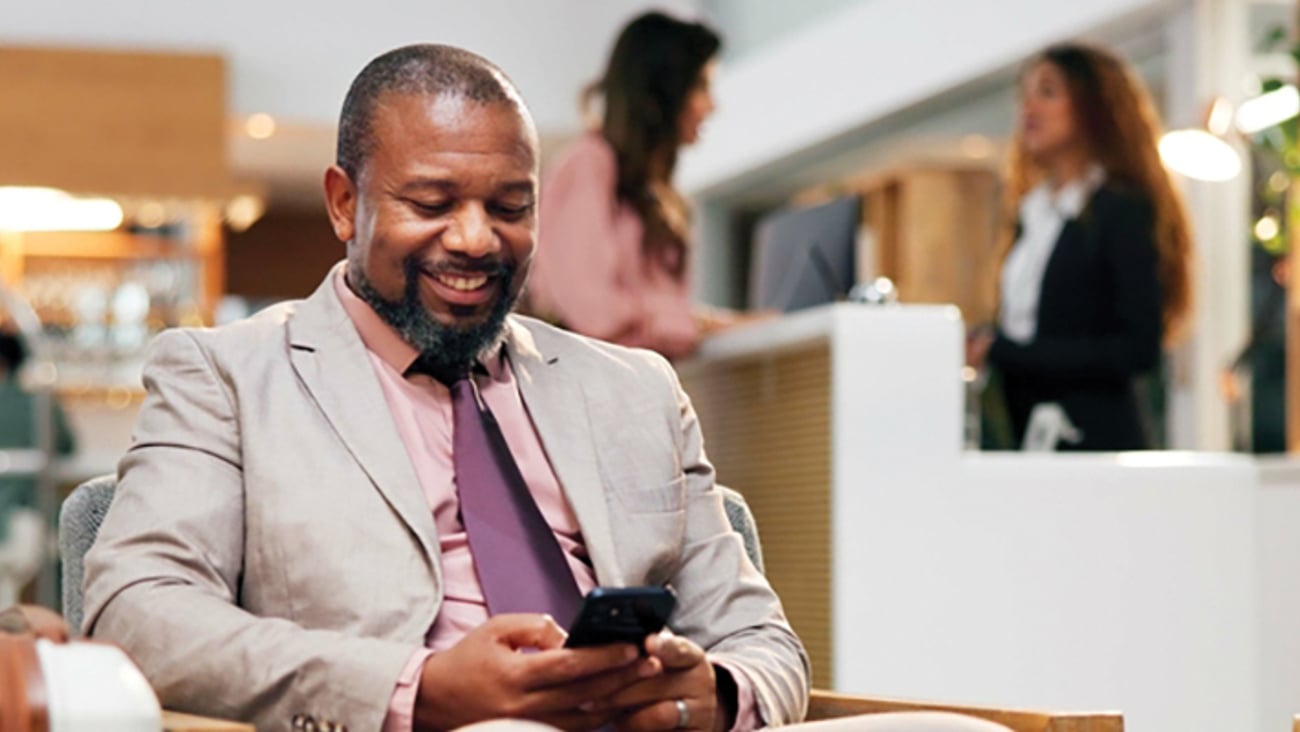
(621, 615)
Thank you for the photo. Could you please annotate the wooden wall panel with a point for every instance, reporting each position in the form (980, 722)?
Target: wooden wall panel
(113, 122)
(766, 426)
(934, 234)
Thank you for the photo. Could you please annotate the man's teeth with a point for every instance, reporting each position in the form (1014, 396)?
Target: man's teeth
(464, 284)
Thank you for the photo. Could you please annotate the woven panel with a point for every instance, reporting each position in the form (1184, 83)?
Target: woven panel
(766, 423)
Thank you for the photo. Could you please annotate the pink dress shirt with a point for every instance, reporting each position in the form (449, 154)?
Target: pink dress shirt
(421, 409)
(589, 272)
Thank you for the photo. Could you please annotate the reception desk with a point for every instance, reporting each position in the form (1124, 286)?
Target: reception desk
(1151, 583)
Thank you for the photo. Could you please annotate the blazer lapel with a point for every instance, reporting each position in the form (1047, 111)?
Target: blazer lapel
(332, 362)
(1067, 260)
(558, 408)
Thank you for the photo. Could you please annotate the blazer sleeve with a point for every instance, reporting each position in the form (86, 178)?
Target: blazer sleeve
(163, 578)
(724, 603)
(581, 255)
(1127, 241)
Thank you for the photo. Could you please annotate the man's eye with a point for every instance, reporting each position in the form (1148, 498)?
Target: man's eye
(513, 212)
(432, 207)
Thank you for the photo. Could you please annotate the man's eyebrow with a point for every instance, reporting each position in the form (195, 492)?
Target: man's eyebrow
(444, 185)
(519, 186)
(429, 184)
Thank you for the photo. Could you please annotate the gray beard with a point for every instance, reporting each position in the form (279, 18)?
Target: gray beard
(442, 347)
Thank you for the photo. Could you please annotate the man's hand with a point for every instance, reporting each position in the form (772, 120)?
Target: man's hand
(651, 704)
(487, 676)
(36, 620)
(978, 343)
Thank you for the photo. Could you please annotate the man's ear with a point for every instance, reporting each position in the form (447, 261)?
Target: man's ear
(341, 202)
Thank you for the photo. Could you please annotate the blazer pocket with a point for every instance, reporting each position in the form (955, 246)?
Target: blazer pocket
(667, 498)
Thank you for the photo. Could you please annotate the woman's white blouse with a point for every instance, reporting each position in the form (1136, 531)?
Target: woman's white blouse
(1043, 213)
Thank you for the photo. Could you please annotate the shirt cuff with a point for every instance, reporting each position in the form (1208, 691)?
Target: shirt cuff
(747, 714)
(401, 705)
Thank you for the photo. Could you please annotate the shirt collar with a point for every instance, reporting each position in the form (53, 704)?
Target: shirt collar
(384, 341)
(1070, 199)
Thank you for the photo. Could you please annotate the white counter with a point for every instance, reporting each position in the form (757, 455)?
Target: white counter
(1162, 584)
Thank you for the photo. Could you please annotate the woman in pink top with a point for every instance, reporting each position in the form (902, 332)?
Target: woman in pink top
(613, 251)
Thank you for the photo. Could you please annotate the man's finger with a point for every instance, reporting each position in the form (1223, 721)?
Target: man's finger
(664, 715)
(588, 694)
(645, 692)
(675, 651)
(697, 684)
(523, 630)
(566, 665)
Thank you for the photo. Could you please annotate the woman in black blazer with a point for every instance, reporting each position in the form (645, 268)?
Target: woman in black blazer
(1095, 278)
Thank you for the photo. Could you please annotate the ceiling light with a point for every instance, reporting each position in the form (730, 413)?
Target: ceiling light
(1266, 228)
(49, 209)
(243, 211)
(978, 147)
(259, 126)
(151, 215)
(1219, 119)
(1200, 155)
(1268, 110)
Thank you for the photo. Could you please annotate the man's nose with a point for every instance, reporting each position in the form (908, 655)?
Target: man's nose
(470, 233)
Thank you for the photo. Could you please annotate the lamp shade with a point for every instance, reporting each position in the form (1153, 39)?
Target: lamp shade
(1200, 155)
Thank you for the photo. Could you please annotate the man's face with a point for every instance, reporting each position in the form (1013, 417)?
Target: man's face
(441, 221)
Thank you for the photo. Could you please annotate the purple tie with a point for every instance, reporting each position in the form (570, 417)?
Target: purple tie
(520, 565)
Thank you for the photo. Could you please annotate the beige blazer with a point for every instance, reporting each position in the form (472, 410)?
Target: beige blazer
(270, 554)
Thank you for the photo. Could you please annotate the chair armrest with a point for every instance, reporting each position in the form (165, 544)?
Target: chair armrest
(178, 722)
(829, 705)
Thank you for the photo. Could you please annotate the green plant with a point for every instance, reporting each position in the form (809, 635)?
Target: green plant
(1277, 156)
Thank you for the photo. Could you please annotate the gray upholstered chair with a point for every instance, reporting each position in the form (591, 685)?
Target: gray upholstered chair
(742, 522)
(79, 521)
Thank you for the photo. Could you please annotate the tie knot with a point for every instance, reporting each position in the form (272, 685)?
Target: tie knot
(447, 374)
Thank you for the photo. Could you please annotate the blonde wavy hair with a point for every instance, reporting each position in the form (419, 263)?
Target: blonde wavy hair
(1121, 127)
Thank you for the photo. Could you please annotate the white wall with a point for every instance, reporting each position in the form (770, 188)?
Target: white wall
(295, 59)
(867, 61)
(750, 25)
(1209, 56)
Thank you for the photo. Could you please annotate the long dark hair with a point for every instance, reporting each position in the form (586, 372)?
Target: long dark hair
(655, 65)
(1121, 128)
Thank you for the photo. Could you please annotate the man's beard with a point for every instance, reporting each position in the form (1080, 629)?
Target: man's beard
(442, 347)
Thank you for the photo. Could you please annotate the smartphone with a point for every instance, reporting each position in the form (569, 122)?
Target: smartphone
(620, 615)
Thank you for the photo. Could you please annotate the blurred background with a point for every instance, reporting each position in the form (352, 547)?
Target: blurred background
(209, 126)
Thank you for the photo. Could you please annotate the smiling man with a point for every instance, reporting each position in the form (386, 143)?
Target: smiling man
(368, 509)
